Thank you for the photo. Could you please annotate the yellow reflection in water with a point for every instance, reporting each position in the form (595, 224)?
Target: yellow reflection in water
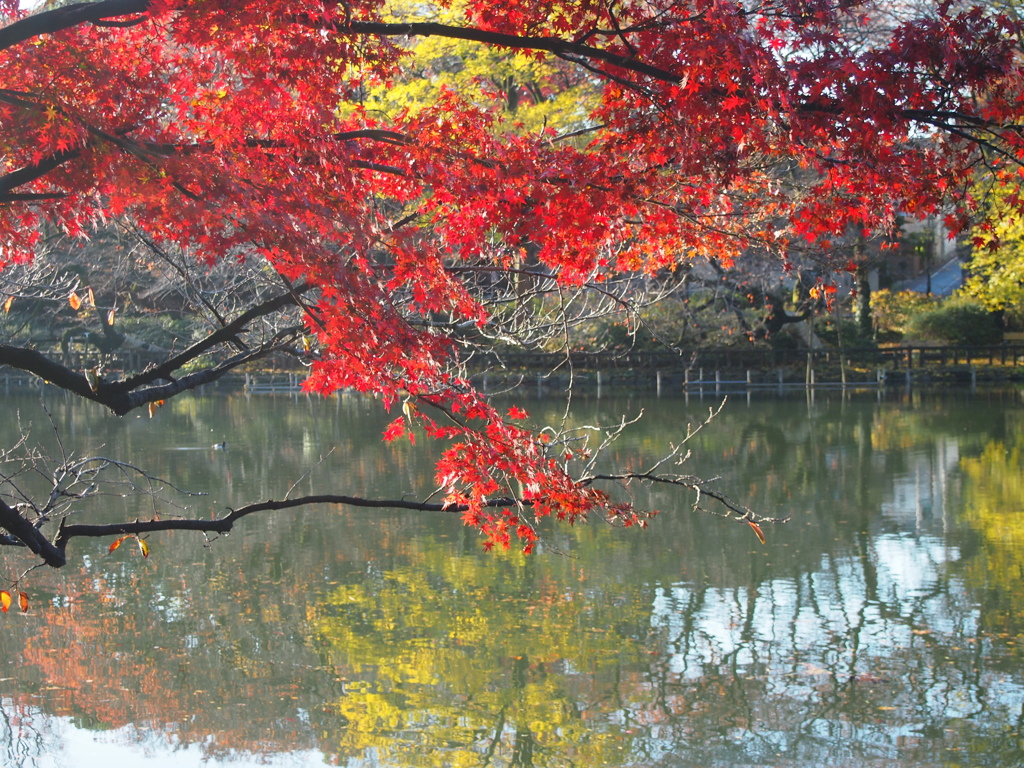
(460, 660)
(994, 508)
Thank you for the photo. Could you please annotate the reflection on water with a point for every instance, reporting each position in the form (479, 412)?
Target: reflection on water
(881, 626)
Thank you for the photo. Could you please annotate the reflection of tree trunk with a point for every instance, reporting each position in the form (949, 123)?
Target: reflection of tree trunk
(498, 728)
(865, 475)
(839, 338)
(522, 747)
(519, 672)
(522, 750)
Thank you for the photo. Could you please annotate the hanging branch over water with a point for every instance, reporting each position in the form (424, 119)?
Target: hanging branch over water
(73, 480)
(161, 380)
(230, 130)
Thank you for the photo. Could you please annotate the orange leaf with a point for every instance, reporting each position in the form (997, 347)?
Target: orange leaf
(75, 301)
(7, 304)
(90, 297)
(23, 602)
(757, 530)
(110, 317)
(92, 376)
(5, 600)
(117, 543)
(143, 548)
(153, 406)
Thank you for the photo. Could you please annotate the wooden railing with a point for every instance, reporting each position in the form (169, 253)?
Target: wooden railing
(739, 359)
(733, 366)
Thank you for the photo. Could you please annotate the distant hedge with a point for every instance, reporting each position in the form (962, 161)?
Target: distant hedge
(955, 321)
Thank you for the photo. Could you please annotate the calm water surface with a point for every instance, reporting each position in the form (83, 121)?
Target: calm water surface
(883, 625)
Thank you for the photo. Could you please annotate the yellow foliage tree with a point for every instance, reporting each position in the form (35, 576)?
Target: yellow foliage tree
(997, 263)
(530, 92)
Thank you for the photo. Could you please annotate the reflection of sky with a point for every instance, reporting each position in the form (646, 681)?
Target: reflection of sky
(809, 614)
(43, 741)
(918, 497)
(892, 620)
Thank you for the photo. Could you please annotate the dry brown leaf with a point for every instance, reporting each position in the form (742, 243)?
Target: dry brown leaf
(757, 530)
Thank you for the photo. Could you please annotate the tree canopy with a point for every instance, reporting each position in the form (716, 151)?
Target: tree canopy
(997, 261)
(403, 212)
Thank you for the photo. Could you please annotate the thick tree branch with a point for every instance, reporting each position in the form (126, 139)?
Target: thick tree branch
(121, 397)
(113, 395)
(26, 533)
(109, 13)
(225, 523)
(30, 173)
(553, 45)
(221, 336)
(69, 16)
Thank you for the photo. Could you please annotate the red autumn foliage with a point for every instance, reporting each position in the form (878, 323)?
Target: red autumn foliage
(231, 127)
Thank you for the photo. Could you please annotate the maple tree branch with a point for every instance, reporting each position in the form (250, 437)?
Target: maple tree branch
(941, 119)
(970, 135)
(307, 309)
(30, 173)
(581, 61)
(68, 16)
(619, 32)
(26, 534)
(222, 335)
(122, 23)
(555, 45)
(734, 509)
(123, 396)
(114, 395)
(159, 251)
(106, 13)
(71, 480)
(74, 480)
(225, 523)
(377, 134)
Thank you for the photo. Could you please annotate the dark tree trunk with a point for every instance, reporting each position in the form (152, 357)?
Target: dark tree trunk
(777, 316)
(862, 306)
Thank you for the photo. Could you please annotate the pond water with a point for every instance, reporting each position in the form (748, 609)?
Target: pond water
(883, 625)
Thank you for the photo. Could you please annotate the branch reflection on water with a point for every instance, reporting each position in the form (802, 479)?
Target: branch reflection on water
(881, 626)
